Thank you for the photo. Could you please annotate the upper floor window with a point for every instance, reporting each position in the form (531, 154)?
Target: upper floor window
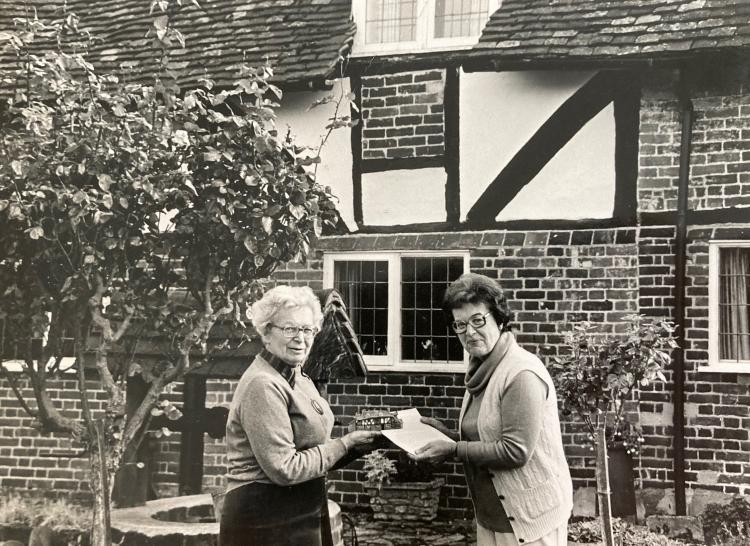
(460, 18)
(410, 26)
(394, 302)
(729, 301)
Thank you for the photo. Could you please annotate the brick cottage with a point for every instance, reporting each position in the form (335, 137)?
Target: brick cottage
(592, 156)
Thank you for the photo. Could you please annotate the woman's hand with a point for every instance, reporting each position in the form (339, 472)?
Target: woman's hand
(435, 452)
(434, 423)
(359, 438)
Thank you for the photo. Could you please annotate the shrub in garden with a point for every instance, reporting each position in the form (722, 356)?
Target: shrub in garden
(382, 467)
(727, 524)
(31, 512)
(589, 531)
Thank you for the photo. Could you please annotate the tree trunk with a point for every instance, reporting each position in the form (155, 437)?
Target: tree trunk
(101, 530)
(602, 484)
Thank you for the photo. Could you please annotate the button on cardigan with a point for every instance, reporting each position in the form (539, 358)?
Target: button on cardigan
(537, 496)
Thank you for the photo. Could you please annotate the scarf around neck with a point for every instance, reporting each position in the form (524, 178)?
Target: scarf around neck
(480, 370)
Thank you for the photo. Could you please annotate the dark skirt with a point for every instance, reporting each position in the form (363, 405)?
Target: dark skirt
(263, 514)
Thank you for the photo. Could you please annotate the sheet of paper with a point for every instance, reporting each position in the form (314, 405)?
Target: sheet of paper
(414, 434)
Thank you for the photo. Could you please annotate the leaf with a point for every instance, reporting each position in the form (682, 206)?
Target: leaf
(189, 184)
(123, 202)
(105, 181)
(36, 232)
(273, 210)
(17, 167)
(298, 198)
(267, 224)
(180, 138)
(102, 217)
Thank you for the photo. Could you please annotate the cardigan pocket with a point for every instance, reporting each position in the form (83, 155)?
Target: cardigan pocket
(539, 500)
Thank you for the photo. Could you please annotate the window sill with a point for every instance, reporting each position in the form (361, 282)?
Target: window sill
(20, 366)
(416, 50)
(726, 367)
(417, 367)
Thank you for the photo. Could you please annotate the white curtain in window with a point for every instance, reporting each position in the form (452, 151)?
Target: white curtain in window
(735, 300)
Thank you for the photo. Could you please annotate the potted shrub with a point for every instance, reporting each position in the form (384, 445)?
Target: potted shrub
(401, 489)
(599, 375)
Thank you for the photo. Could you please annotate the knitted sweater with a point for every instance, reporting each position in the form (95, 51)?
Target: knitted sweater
(278, 432)
(538, 496)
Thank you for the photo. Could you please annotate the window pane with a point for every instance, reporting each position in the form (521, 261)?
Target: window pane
(390, 21)
(424, 334)
(363, 285)
(734, 304)
(459, 18)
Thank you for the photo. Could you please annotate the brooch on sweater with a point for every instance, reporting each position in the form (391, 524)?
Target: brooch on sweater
(317, 406)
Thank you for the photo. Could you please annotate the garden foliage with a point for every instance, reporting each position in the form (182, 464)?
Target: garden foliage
(134, 212)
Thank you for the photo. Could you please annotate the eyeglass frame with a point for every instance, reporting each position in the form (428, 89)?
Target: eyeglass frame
(466, 323)
(285, 330)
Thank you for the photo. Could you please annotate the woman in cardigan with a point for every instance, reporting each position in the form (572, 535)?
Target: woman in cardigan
(278, 433)
(509, 436)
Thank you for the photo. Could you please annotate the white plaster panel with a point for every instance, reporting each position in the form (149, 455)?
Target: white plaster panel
(308, 129)
(403, 197)
(500, 111)
(578, 182)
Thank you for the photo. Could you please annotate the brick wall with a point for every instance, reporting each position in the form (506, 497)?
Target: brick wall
(720, 154)
(402, 115)
(24, 452)
(552, 278)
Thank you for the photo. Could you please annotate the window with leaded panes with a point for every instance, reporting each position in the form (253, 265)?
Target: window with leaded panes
(459, 18)
(394, 303)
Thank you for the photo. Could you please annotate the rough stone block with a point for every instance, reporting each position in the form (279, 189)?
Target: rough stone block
(688, 527)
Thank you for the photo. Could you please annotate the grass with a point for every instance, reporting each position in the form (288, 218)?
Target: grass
(31, 511)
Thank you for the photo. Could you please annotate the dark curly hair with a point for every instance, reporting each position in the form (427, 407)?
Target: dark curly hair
(476, 288)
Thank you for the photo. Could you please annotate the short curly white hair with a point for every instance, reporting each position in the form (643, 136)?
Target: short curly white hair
(284, 297)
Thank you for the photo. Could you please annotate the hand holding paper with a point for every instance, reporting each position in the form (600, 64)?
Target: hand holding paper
(414, 434)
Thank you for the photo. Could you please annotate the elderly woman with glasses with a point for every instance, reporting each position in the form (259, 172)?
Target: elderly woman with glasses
(278, 433)
(508, 438)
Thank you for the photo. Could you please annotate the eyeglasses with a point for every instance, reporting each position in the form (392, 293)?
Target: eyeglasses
(459, 326)
(292, 331)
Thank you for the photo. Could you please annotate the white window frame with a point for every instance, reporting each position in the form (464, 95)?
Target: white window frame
(714, 364)
(392, 360)
(424, 32)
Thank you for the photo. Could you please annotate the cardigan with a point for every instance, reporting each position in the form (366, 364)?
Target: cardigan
(278, 432)
(538, 495)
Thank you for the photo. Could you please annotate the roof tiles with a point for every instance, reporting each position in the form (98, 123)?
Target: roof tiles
(582, 30)
(301, 39)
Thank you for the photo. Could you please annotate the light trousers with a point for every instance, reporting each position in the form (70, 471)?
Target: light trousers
(556, 537)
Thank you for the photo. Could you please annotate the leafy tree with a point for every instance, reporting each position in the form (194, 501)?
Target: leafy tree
(128, 208)
(599, 375)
